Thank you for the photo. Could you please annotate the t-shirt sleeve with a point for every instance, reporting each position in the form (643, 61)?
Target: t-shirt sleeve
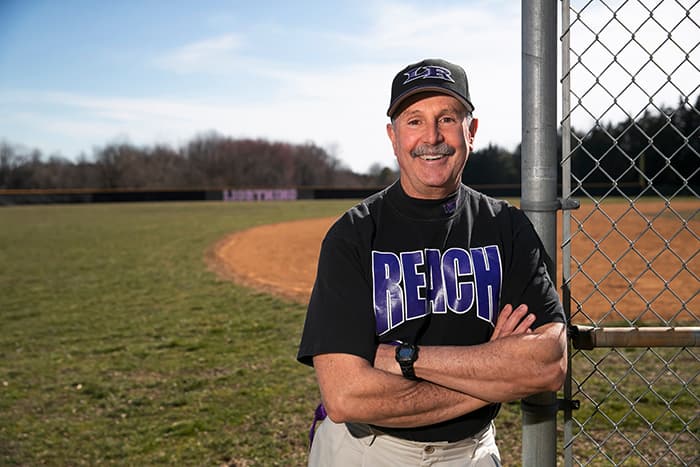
(339, 318)
(527, 278)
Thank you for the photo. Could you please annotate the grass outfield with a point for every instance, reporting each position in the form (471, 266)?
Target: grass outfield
(119, 346)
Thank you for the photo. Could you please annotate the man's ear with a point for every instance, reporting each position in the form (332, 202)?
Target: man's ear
(471, 132)
(473, 126)
(392, 136)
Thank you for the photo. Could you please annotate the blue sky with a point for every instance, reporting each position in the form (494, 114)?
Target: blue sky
(76, 75)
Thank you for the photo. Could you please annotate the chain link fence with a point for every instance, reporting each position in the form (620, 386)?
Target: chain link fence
(630, 253)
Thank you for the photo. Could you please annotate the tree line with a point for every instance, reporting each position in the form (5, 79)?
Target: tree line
(661, 147)
(207, 161)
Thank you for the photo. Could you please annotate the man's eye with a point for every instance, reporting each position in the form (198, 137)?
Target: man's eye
(413, 122)
(448, 120)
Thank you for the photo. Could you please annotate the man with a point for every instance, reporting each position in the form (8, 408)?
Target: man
(403, 327)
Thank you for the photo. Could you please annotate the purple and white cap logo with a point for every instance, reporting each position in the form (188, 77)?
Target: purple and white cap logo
(425, 72)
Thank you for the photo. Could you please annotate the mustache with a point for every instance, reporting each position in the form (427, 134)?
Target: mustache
(442, 149)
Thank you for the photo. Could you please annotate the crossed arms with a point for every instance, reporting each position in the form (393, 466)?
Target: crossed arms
(455, 380)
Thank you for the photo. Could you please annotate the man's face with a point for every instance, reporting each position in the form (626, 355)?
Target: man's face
(432, 138)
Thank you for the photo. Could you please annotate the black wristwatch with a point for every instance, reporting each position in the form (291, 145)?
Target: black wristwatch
(406, 354)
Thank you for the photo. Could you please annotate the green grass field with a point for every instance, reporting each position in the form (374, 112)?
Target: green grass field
(119, 346)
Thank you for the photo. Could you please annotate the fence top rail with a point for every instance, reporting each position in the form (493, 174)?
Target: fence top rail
(589, 337)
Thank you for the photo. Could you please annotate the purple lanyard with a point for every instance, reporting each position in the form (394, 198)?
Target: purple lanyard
(319, 415)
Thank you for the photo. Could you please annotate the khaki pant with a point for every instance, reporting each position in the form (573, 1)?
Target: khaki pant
(333, 445)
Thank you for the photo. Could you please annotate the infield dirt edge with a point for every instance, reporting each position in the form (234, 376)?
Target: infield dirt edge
(281, 258)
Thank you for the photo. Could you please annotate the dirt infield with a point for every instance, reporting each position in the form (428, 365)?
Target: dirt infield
(281, 259)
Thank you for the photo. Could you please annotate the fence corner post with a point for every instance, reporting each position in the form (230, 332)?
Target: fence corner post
(539, 190)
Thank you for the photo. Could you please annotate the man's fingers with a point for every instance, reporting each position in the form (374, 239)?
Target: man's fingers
(515, 317)
(525, 324)
(512, 321)
(500, 322)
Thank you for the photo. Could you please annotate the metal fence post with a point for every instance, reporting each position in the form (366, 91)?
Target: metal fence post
(539, 190)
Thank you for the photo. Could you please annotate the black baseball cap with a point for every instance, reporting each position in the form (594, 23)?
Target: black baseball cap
(431, 74)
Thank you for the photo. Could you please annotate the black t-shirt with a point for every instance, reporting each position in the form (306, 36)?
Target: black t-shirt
(429, 272)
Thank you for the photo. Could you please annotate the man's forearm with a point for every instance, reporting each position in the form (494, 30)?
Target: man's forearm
(498, 371)
(423, 404)
(501, 370)
(368, 395)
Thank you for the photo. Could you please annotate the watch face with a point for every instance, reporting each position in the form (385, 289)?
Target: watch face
(405, 353)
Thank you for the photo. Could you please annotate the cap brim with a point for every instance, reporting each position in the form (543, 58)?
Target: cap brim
(402, 98)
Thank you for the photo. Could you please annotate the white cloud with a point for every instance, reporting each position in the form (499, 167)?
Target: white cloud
(424, 29)
(206, 54)
(347, 104)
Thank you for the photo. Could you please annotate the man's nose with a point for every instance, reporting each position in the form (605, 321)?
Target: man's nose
(433, 135)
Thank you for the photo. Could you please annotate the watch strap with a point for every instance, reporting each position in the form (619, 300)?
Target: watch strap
(408, 371)
(406, 362)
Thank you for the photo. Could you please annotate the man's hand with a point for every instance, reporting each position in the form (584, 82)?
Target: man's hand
(510, 322)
